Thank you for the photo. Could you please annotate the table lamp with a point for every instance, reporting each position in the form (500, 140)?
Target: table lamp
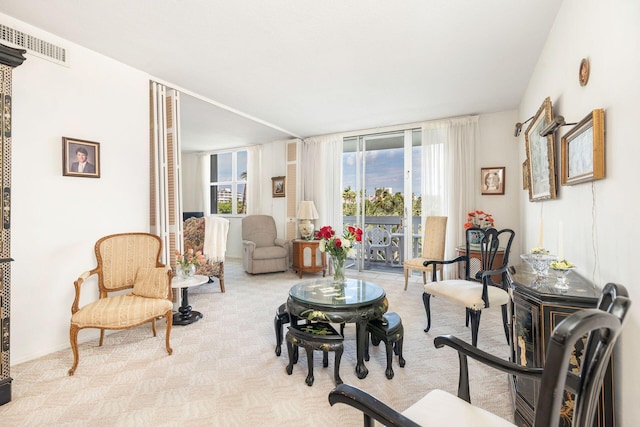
(306, 212)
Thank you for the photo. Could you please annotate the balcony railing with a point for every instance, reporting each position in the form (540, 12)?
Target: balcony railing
(394, 225)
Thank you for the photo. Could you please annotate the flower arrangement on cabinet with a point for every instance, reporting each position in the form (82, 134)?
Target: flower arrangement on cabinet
(479, 219)
(561, 264)
(338, 247)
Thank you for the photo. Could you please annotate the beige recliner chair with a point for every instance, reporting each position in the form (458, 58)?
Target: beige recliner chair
(262, 250)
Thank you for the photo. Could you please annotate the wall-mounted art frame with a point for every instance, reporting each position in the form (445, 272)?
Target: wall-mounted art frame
(582, 150)
(492, 180)
(541, 156)
(525, 175)
(278, 186)
(80, 158)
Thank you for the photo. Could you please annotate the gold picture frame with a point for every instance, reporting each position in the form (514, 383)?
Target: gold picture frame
(278, 186)
(525, 175)
(582, 150)
(541, 156)
(492, 180)
(80, 158)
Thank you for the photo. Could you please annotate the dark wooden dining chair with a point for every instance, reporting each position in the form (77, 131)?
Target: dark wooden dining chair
(475, 291)
(601, 326)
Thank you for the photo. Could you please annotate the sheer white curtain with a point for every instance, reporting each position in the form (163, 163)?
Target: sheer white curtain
(204, 172)
(321, 161)
(448, 189)
(254, 175)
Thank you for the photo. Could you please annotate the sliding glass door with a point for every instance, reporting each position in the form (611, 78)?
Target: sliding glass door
(381, 194)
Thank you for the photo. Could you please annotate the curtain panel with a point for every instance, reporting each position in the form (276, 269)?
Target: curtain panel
(321, 161)
(448, 159)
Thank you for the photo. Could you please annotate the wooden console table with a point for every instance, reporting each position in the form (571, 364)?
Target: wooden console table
(536, 310)
(308, 258)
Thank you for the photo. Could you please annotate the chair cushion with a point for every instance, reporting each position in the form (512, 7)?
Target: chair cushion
(466, 293)
(439, 408)
(151, 282)
(121, 311)
(270, 252)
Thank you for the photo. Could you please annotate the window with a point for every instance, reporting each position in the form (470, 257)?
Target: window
(228, 186)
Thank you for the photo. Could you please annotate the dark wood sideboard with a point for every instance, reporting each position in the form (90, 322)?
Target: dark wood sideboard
(536, 309)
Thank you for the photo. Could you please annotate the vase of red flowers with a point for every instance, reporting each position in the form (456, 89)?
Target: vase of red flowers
(338, 247)
(479, 219)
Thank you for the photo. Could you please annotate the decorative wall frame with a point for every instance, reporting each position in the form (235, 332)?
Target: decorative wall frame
(525, 175)
(541, 156)
(80, 158)
(582, 150)
(583, 72)
(278, 186)
(492, 180)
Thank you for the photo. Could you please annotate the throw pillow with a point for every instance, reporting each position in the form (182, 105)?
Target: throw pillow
(151, 282)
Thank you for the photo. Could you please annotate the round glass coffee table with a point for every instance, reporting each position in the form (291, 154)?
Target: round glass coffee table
(354, 301)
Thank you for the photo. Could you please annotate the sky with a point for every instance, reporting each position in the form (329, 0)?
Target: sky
(384, 169)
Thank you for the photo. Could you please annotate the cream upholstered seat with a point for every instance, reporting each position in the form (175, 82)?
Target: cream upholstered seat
(194, 238)
(433, 245)
(475, 291)
(125, 261)
(601, 325)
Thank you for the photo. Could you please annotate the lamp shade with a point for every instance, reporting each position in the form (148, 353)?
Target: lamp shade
(307, 210)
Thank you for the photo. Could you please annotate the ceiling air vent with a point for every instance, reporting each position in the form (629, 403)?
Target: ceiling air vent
(33, 45)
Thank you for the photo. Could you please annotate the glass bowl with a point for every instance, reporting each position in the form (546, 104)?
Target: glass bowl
(561, 274)
(539, 263)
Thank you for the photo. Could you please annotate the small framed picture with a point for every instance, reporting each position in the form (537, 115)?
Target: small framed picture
(277, 186)
(492, 180)
(80, 158)
(582, 150)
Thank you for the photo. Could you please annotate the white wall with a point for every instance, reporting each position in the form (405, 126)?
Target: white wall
(56, 220)
(599, 218)
(498, 148)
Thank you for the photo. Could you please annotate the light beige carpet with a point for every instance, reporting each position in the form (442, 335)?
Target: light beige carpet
(224, 372)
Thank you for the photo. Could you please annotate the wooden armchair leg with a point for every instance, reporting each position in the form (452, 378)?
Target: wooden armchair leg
(101, 337)
(73, 337)
(169, 319)
(153, 327)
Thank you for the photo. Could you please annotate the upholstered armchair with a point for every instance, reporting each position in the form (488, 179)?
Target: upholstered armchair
(194, 238)
(129, 261)
(262, 250)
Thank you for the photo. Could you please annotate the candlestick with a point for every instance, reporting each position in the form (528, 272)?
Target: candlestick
(540, 237)
(560, 243)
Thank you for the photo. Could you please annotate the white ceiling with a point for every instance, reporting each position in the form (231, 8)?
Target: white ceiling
(310, 67)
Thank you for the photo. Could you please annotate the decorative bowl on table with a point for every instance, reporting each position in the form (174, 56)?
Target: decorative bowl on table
(561, 269)
(539, 262)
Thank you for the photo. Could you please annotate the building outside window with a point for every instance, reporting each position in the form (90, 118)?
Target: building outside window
(228, 183)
